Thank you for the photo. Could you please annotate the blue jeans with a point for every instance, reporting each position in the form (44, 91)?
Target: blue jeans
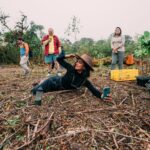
(50, 84)
(117, 58)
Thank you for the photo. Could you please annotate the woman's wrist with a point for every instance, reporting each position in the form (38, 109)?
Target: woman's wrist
(69, 56)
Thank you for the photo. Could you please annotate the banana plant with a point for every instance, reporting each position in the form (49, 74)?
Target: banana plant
(143, 46)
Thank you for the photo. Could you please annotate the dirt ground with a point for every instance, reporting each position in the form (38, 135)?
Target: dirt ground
(72, 120)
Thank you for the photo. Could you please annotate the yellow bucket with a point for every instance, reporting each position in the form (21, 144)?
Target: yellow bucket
(124, 74)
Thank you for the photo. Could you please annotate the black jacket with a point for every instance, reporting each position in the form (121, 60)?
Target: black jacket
(73, 80)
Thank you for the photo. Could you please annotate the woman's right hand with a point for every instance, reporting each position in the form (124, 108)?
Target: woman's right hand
(108, 98)
(114, 50)
(70, 56)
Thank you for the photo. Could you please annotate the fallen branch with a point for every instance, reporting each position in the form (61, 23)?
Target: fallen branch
(113, 136)
(37, 133)
(134, 86)
(123, 100)
(44, 126)
(74, 133)
(28, 133)
(7, 138)
(133, 101)
(73, 99)
(35, 129)
(96, 110)
(59, 92)
(147, 98)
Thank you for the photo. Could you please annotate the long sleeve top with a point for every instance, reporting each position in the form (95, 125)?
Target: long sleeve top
(118, 42)
(73, 80)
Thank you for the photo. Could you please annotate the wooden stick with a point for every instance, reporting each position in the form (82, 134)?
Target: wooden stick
(123, 100)
(35, 129)
(27, 144)
(95, 110)
(3, 142)
(133, 102)
(59, 92)
(73, 99)
(114, 139)
(147, 98)
(134, 86)
(43, 127)
(87, 130)
(28, 133)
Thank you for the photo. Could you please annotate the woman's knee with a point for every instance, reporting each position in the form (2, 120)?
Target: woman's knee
(114, 62)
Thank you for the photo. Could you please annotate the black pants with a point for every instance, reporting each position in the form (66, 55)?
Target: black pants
(49, 85)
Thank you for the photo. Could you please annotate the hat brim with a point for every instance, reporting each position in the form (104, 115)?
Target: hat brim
(77, 56)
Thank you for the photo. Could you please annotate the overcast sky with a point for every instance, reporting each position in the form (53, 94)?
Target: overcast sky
(98, 18)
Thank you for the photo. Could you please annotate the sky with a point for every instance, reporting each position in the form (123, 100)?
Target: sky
(98, 18)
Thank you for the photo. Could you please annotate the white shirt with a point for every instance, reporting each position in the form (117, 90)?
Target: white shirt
(118, 41)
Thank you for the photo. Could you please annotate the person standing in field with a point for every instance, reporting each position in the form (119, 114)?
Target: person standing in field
(118, 49)
(52, 48)
(24, 55)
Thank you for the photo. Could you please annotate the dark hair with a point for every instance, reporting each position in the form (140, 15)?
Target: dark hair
(86, 71)
(120, 31)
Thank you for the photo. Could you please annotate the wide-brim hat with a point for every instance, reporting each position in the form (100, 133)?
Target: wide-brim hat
(86, 59)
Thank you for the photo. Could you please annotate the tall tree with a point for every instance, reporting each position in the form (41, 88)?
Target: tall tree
(21, 25)
(4, 20)
(31, 33)
(73, 28)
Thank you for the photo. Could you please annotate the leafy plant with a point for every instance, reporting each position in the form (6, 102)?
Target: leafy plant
(9, 52)
(143, 46)
(20, 137)
(13, 121)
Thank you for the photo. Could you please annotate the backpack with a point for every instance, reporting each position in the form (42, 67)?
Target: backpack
(130, 59)
(30, 52)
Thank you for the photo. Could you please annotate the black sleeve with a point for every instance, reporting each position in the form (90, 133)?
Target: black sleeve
(92, 88)
(62, 62)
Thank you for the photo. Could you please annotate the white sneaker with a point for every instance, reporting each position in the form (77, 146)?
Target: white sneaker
(27, 73)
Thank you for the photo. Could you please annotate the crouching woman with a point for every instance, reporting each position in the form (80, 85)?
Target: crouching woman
(75, 77)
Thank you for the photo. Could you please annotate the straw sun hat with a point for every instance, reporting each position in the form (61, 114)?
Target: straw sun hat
(86, 59)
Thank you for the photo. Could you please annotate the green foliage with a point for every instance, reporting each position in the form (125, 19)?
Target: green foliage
(32, 38)
(67, 45)
(9, 54)
(130, 45)
(20, 137)
(31, 33)
(97, 49)
(143, 45)
(13, 121)
(102, 49)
